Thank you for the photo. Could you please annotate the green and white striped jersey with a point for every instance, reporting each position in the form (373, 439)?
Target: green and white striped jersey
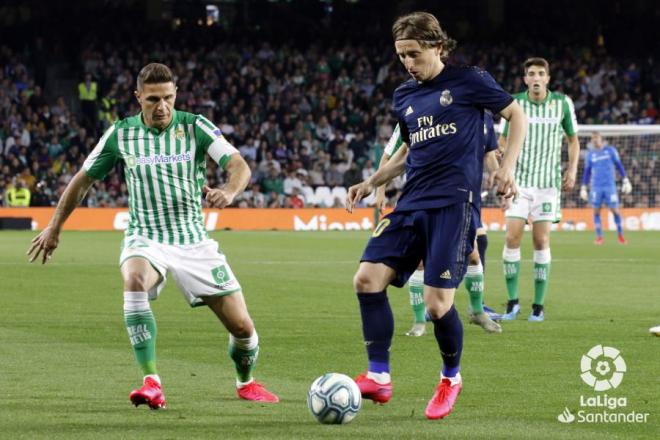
(165, 171)
(394, 143)
(539, 163)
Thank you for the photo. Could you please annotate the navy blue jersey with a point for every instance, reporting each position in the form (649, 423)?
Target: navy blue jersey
(442, 121)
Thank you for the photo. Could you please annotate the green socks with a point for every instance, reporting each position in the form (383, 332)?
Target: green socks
(416, 291)
(474, 283)
(244, 353)
(142, 331)
(541, 275)
(511, 259)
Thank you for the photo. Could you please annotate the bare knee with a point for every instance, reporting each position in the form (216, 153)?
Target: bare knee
(513, 241)
(438, 308)
(541, 243)
(364, 282)
(241, 327)
(137, 281)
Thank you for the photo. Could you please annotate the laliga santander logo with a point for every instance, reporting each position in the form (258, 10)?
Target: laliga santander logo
(602, 368)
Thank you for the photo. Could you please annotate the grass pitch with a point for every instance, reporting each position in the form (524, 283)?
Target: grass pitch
(66, 367)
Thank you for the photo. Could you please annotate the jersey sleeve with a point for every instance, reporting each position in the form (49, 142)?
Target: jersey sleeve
(569, 121)
(614, 154)
(587, 169)
(104, 156)
(210, 140)
(485, 92)
(394, 143)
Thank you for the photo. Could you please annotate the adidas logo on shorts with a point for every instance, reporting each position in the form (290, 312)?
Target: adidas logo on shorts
(446, 275)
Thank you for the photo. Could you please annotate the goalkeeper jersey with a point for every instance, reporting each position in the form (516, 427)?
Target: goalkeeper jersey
(165, 171)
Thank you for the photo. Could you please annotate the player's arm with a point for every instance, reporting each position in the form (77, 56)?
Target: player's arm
(501, 144)
(380, 191)
(211, 141)
(570, 126)
(394, 167)
(573, 158)
(48, 239)
(517, 130)
(491, 164)
(238, 178)
(626, 186)
(100, 161)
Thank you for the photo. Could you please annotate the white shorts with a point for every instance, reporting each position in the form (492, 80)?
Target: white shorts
(199, 269)
(537, 204)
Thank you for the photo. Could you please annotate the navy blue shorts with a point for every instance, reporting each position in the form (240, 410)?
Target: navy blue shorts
(441, 238)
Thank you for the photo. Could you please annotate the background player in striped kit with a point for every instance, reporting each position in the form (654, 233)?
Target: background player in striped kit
(538, 176)
(599, 174)
(163, 153)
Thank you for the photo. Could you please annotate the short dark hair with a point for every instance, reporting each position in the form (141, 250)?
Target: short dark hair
(536, 61)
(425, 28)
(154, 73)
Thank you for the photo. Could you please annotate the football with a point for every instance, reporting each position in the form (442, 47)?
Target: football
(334, 398)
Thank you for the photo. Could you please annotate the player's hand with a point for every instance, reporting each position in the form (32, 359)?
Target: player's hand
(506, 184)
(490, 181)
(218, 197)
(569, 180)
(584, 194)
(357, 193)
(626, 186)
(381, 201)
(44, 243)
(505, 203)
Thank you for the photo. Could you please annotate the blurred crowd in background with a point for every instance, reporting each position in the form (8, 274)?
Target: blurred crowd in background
(303, 118)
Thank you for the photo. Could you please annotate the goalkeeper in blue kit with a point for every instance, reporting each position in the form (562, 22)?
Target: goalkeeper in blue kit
(599, 173)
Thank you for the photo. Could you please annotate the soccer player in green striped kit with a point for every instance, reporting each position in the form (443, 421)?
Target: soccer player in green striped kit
(538, 176)
(163, 152)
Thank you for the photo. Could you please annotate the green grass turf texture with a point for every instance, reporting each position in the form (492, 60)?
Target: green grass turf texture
(66, 366)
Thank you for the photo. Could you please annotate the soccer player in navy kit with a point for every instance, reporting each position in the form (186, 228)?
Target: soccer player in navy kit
(441, 114)
(599, 173)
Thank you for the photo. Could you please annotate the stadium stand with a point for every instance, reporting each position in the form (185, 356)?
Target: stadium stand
(315, 116)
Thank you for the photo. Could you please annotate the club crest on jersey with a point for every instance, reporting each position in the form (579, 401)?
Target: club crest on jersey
(446, 98)
(179, 133)
(130, 161)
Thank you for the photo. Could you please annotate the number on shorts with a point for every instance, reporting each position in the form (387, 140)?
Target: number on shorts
(381, 226)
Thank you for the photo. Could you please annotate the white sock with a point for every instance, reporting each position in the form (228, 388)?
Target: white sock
(240, 384)
(542, 256)
(248, 343)
(454, 380)
(511, 255)
(379, 378)
(136, 302)
(154, 377)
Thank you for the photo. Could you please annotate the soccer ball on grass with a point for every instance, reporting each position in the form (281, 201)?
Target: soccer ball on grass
(334, 398)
